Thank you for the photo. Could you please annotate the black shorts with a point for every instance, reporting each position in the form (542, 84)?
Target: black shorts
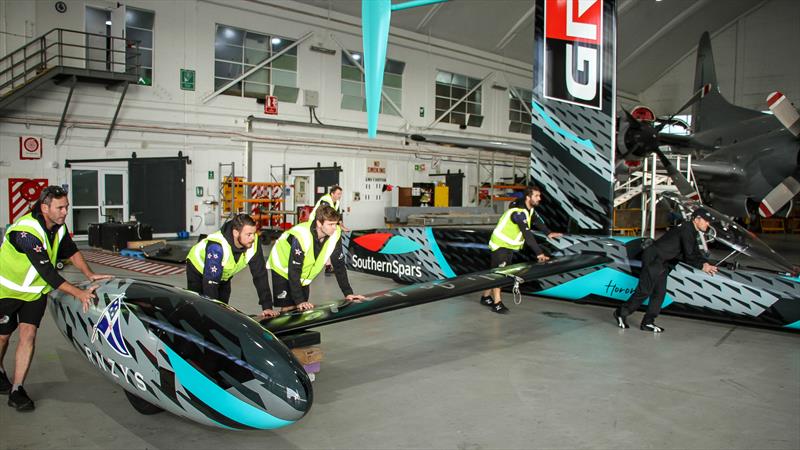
(502, 257)
(282, 295)
(14, 311)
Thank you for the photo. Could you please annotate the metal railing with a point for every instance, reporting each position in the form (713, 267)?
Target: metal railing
(68, 48)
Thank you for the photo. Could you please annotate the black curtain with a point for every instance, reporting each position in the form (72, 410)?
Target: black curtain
(157, 189)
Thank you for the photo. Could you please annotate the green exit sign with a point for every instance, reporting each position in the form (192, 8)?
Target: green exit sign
(187, 79)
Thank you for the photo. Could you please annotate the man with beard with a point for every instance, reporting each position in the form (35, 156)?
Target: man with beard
(512, 232)
(212, 262)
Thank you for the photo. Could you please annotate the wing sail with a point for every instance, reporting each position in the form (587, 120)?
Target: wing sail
(418, 294)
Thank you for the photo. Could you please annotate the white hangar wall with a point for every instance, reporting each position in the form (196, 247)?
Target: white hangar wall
(161, 120)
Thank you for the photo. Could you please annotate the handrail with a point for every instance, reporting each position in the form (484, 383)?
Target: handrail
(67, 48)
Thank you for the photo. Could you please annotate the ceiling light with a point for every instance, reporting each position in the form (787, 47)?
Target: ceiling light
(356, 56)
(108, 22)
(276, 41)
(228, 33)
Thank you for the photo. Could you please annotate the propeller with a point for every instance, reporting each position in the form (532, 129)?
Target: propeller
(780, 195)
(637, 139)
(784, 112)
(790, 186)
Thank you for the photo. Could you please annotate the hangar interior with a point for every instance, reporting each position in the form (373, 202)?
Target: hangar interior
(176, 114)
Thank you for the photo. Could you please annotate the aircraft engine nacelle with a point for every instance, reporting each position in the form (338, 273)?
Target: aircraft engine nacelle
(635, 138)
(174, 350)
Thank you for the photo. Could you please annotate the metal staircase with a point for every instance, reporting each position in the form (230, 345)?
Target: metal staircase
(651, 177)
(648, 182)
(66, 57)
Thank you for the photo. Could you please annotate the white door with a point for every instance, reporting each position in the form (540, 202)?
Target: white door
(97, 195)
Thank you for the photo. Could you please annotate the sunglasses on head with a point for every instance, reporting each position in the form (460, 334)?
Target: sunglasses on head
(52, 191)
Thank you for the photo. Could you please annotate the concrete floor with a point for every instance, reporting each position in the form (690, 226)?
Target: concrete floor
(451, 374)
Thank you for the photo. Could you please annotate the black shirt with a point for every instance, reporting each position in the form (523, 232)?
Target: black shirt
(680, 244)
(32, 247)
(296, 257)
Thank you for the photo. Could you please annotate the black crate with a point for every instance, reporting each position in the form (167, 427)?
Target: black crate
(95, 240)
(115, 236)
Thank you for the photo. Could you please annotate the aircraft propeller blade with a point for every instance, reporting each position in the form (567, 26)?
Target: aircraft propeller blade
(702, 92)
(785, 113)
(779, 195)
(684, 186)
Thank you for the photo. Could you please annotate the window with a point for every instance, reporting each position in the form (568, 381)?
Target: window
(139, 30)
(236, 51)
(681, 123)
(450, 88)
(519, 119)
(353, 93)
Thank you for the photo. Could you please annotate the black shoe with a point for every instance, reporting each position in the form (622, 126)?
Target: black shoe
(487, 300)
(20, 401)
(622, 322)
(5, 384)
(499, 308)
(651, 327)
(328, 270)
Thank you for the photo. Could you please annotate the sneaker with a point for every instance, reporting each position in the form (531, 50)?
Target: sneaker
(651, 327)
(20, 401)
(622, 322)
(487, 300)
(5, 384)
(499, 308)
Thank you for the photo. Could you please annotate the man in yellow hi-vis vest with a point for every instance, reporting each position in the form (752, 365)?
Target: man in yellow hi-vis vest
(28, 255)
(212, 262)
(333, 198)
(514, 230)
(299, 255)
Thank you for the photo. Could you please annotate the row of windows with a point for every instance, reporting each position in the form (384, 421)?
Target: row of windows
(237, 51)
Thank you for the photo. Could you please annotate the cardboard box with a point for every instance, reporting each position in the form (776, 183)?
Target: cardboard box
(138, 245)
(308, 355)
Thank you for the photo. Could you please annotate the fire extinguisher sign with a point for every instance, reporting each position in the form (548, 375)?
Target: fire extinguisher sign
(30, 147)
(271, 105)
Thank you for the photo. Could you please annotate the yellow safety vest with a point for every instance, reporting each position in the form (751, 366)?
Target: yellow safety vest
(18, 278)
(197, 255)
(312, 266)
(507, 233)
(325, 198)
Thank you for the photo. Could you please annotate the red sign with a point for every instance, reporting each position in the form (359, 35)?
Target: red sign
(22, 192)
(271, 105)
(574, 20)
(30, 147)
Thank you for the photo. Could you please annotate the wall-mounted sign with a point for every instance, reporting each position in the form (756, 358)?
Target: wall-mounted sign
(30, 147)
(271, 105)
(187, 79)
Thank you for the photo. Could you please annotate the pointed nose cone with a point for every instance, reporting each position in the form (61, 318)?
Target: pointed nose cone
(235, 369)
(375, 18)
